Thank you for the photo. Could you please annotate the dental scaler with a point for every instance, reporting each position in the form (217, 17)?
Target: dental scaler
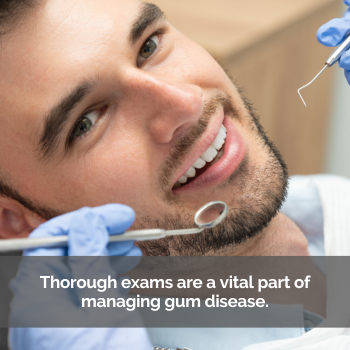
(333, 58)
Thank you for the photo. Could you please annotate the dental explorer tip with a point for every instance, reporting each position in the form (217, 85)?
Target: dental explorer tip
(311, 82)
(301, 97)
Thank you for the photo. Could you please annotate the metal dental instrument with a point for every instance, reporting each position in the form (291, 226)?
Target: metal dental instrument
(208, 216)
(332, 59)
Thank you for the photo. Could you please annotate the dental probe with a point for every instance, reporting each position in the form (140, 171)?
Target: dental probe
(208, 216)
(333, 58)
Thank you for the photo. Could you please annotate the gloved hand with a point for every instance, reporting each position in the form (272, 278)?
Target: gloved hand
(88, 230)
(333, 33)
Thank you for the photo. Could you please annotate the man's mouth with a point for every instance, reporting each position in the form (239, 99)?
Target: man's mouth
(217, 163)
(208, 158)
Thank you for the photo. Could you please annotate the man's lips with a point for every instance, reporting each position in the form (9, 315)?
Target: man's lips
(202, 145)
(233, 154)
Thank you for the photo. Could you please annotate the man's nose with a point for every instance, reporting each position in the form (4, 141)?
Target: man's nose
(166, 108)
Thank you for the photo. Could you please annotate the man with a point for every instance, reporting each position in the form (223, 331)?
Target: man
(124, 127)
(110, 103)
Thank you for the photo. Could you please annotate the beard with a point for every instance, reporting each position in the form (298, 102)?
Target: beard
(257, 195)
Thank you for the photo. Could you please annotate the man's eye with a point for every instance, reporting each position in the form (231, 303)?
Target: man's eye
(147, 49)
(86, 123)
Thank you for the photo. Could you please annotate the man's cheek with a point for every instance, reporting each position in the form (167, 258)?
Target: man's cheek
(132, 187)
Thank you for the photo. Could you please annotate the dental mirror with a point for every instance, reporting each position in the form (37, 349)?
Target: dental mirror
(208, 216)
(211, 214)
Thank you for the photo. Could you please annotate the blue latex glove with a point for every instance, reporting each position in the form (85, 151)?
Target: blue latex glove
(333, 33)
(88, 230)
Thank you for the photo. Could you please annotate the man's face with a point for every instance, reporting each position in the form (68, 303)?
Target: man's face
(104, 101)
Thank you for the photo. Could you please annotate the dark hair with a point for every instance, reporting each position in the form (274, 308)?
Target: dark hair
(11, 12)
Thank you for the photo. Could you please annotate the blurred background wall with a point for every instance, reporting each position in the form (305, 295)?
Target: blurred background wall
(270, 48)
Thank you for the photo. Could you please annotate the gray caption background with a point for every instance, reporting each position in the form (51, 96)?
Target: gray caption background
(33, 306)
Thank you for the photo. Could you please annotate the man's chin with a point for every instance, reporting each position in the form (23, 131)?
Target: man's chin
(257, 196)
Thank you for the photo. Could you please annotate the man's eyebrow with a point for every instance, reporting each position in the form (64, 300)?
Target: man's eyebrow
(59, 115)
(149, 14)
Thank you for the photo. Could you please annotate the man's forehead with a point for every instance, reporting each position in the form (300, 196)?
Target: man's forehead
(48, 50)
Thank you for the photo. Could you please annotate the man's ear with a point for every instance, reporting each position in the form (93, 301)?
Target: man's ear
(16, 221)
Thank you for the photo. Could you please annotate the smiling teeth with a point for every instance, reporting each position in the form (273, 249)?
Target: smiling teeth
(191, 172)
(182, 179)
(207, 156)
(199, 163)
(219, 141)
